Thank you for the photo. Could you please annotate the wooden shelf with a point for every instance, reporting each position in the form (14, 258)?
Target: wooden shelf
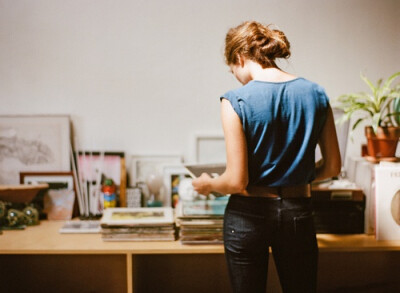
(45, 239)
(81, 258)
(354, 242)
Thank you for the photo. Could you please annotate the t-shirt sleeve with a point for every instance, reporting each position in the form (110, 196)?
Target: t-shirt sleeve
(323, 96)
(233, 99)
(323, 103)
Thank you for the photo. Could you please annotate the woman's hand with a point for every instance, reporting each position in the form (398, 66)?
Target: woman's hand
(202, 184)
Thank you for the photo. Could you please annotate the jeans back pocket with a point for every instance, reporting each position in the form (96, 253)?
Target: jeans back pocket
(304, 232)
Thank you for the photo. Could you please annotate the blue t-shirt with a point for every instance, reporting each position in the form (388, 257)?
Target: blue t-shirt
(282, 122)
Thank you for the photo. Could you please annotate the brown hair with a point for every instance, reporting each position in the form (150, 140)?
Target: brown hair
(256, 42)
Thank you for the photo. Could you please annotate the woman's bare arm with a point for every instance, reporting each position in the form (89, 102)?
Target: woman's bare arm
(235, 177)
(331, 163)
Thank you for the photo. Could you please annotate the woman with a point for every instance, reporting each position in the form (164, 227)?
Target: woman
(272, 125)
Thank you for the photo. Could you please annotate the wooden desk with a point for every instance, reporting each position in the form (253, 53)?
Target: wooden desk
(39, 257)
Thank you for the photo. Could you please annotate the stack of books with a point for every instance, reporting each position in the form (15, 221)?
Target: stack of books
(138, 224)
(201, 221)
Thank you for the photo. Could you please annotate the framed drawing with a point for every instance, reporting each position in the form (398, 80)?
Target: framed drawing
(33, 143)
(209, 148)
(178, 184)
(58, 202)
(144, 165)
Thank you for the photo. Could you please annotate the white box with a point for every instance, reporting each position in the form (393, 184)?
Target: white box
(362, 173)
(387, 184)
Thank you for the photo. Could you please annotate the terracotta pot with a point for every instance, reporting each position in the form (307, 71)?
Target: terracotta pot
(383, 143)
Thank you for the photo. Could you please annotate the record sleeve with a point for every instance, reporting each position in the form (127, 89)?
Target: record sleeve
(137, 217)
(204, 208)
(138, 237)
(80, 227)
(387, 202)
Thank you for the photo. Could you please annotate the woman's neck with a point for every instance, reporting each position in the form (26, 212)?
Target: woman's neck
(271, 74)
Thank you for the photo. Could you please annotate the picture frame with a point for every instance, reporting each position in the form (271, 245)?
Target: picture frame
(110, 164)
(55, 180)
(33, 143)
(173, 176)
(209, 148)
(141, 166)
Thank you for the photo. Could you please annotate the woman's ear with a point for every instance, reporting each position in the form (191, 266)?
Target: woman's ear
(241, 60)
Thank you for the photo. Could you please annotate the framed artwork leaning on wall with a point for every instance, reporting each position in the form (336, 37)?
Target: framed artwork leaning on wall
(33, 143)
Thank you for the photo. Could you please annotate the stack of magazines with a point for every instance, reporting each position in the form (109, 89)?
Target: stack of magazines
(138, 224)
(201, 221)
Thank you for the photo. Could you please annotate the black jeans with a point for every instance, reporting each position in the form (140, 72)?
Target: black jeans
(252, 225)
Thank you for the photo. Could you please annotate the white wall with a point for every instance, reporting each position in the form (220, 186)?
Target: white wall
(144, 76)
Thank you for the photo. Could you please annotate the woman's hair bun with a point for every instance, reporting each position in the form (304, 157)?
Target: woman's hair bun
(256, 42)
(280, 45)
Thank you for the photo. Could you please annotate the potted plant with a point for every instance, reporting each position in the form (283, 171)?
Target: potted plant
(381, 107)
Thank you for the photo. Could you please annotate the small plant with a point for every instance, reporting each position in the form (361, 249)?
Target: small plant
(381, 105)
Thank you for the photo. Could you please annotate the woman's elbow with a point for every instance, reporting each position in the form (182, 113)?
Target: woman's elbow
(337, 171)
(332, 164)
(239, 186)
(328, 169)
(335, 167)
(234, 182)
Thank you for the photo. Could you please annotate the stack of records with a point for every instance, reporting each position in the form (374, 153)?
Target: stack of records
(201, 221)
(138, 224)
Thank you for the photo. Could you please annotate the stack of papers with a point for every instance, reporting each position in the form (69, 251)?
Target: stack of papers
(138, 224)
(84, 227)
(201, 221)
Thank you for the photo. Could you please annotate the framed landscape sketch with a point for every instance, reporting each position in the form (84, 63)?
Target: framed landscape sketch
(33, 143)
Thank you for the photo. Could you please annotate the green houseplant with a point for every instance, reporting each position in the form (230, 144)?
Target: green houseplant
(381, 107)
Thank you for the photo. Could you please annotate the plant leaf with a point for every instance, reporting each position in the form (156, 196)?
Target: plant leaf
(390, 79)
(357, 122)
(382, 104)
(376, 121)
(396, 109)
(369, 83)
